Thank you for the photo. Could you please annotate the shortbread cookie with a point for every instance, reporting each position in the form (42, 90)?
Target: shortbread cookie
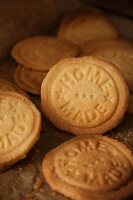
(41, 53)
(9, 86)
(93, 45)
(20, 124)
(29, 80)
(130, 106)
(121, 58)
(84, 95)
(82, 26)
(90, 168)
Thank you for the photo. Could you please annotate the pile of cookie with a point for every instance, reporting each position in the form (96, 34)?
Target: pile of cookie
(83, 76)
(35, 56)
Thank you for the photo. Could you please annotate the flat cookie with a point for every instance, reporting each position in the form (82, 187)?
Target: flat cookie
(29, 80)
(84, 96)
(9, 86)
(130, 106)
(121, 58)
(20, 124)
(82, 26)
(90, 167)
(41, 53)
(93, 45)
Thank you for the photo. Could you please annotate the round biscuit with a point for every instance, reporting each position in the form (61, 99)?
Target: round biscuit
(20, 124)
(84, 95)
(40, 53)
(90, 167)
(82, 26)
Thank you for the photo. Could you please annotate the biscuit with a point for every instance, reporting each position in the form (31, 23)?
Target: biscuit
(90, 167)
(121, 58)
(41, 53)
(93, 45)
(29, 80)
(130, 105)
(9, 86)
(20, 124)
(82, 26)
(84, 96)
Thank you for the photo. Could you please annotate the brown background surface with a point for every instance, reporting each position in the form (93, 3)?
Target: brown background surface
(18, 182)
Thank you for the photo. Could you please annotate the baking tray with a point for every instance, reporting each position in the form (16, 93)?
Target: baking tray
(24, 181)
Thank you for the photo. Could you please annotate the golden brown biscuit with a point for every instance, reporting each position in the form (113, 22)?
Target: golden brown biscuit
(9, 86)
(29, 80)
(82, 26)
(93, 45)
(20, 124)
(90, 168)
(121, 58)
(42, 52)
(130, 106)
(84, 95)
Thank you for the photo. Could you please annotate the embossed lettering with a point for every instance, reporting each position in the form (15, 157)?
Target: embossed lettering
(66, 80)
(68, 109)
(79, 74)
(90, 115)
(101, 108)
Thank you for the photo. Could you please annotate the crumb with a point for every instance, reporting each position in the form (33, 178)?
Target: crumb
(29, 197)
(53, 193)
(37, 184)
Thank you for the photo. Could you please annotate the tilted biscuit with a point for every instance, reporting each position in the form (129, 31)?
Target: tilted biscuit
(9, 86)
(93, 45)
(82, 26)
(40, 53)
(90, 168)
(84, 95)
(20, 124)
(29, 80)
(121, 57)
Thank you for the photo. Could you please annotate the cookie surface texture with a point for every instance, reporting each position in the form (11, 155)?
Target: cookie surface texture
(29, 80)
(9, 86)
(93, 45)
(90, 168)
(41, 53)
(20, 124)
(84, 95)
(122, 58)
(83, 26)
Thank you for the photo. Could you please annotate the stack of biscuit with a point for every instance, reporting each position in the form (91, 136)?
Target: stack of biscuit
(35, 56)
(86, 96)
